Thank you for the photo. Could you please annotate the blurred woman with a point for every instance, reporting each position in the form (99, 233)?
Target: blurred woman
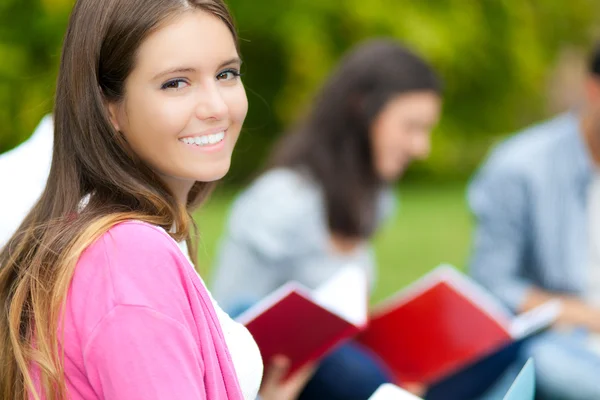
(328, 190)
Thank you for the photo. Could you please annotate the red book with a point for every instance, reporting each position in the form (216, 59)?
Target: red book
(443, 323)
(305, 325)
(438, 326)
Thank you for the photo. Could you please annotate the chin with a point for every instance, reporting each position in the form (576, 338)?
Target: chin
(393, 176)
(214, 173)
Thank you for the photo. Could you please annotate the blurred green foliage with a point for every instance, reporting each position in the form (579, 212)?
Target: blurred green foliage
(495, 57)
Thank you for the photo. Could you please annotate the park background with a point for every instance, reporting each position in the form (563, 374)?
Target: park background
(505, 64)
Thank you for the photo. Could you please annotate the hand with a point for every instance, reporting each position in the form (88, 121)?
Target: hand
(276, 387)
(577, 313)
(574, 311)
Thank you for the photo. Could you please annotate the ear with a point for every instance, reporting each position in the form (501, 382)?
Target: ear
(113, 109)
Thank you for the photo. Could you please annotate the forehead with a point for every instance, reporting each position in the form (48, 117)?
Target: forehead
(195, 39)
(421, 102)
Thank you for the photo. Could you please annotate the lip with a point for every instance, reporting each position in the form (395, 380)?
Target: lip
(207, 148)
(205, 133)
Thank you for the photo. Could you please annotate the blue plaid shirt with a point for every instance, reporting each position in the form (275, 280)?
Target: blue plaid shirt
(529, 201)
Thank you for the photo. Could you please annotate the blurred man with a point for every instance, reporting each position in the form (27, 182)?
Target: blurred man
(23, 174)
(537, 205)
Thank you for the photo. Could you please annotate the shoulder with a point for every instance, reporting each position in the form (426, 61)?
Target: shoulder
(282, 183)
(132, 263)
(280, 195)
(532, 148)
(135, 238)
(522, 163)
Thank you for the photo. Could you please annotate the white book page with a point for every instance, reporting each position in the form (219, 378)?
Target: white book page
(387, 391)
(272, 299)
(535, 319)
(345, 294)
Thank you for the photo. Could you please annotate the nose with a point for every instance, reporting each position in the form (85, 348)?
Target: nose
(211, 103)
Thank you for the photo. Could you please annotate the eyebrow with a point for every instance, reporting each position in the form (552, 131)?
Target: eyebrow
(234, 60)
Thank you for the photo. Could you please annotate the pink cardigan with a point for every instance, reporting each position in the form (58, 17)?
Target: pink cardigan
(139, 323)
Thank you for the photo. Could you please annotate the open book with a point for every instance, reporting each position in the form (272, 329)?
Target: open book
(439, 331)
(443, 323)
(523, 388)
(304, 325)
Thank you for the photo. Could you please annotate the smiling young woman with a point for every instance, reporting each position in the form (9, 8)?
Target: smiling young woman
(100, 298)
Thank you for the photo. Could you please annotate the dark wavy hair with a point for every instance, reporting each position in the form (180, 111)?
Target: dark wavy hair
(333, 141)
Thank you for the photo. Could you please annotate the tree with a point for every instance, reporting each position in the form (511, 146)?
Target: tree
(494, 57)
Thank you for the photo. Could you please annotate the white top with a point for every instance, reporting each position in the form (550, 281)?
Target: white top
(593, 283)
(241, 345)
(23, 174)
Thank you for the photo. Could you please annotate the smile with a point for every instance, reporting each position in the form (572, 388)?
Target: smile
(204, 140)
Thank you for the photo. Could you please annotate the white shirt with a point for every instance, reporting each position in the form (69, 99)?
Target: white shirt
(241, 345)
(23, 175)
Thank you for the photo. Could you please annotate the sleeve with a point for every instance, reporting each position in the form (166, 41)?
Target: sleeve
(136, 352)
(268, 231)
(269, 217)
(498, 199)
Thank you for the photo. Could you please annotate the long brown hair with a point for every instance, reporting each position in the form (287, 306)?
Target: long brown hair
(333, 142)
(90, 160)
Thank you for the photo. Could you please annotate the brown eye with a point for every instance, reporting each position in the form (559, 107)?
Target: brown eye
(228, 75)
(174, 84)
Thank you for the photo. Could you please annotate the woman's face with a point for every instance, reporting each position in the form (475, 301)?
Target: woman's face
(184, 102)
(401, 132)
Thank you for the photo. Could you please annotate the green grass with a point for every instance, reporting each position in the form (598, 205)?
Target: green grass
(432, 225)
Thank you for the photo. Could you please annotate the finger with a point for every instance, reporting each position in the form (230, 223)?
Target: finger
(276, 371)
(299, 379)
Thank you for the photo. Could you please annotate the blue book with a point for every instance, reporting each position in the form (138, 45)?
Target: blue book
(473, 381)
(523, 388)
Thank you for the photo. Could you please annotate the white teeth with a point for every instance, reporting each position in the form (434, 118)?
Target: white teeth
(205, 139)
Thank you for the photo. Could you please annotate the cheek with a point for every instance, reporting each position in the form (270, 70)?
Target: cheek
(153, 115)
(384, 150)
(237, 103)
(422, 144)
(392, 141)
